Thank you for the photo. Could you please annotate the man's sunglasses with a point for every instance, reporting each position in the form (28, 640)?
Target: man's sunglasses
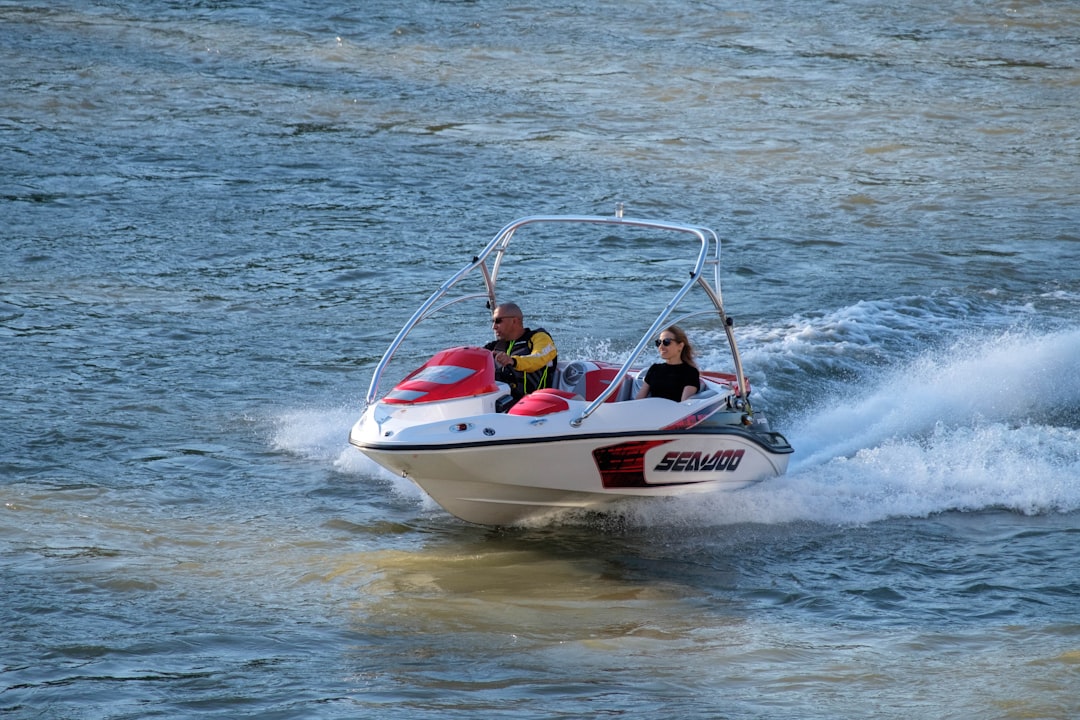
(496, 321)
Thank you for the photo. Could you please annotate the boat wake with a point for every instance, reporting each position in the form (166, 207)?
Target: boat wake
(1014, 379)
(984, 424)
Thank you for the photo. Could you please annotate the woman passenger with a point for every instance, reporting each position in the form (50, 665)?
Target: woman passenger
(677, 377)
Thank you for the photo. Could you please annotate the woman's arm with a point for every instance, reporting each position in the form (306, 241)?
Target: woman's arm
(643, 392)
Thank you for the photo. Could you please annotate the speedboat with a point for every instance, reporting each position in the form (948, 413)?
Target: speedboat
(585, 441)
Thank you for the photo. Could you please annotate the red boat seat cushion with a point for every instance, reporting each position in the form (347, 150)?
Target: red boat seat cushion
(543, 402)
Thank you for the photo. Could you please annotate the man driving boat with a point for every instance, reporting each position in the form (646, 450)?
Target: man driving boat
(525, 359)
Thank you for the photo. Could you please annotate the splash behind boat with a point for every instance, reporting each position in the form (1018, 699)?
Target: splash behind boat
(585, 441)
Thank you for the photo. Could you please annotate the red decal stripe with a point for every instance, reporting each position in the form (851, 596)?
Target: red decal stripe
(623, 465)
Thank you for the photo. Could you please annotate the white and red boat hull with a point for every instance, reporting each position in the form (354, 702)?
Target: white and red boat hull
(497, 468)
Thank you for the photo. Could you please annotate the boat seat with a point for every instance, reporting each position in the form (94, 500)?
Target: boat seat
(570, 376)
(587, 379)
(544, 401)
(629, 387)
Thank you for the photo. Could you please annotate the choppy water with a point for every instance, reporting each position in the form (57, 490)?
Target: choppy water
(216, 216)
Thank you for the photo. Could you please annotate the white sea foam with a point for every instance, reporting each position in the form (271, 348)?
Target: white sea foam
(322, 435)
(1010, 378)
(969, 428)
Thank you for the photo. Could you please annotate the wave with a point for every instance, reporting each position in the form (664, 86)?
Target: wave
(1017, 378)
(321, 435)
(990, 423)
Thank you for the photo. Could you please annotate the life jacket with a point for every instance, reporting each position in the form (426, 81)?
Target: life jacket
(522, 383)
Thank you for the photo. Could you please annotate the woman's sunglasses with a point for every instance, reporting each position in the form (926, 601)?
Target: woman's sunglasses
(664, 341)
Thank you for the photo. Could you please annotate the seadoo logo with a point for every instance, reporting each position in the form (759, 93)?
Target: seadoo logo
(696, 461)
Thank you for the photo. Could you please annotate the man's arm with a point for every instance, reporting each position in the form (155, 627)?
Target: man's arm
(543, 352)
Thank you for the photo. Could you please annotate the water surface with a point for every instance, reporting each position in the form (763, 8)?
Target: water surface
(216, 218)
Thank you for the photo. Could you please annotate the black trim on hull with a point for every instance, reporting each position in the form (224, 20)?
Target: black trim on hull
(775, 443)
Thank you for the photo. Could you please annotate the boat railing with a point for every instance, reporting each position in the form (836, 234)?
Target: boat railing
(708, 255)
(426, 309)
(662, 321)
